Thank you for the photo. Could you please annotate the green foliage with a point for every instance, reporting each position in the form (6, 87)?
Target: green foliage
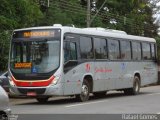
(15, 14)
(56, 15)
(65, 13)
(4, 48)
(132, 16)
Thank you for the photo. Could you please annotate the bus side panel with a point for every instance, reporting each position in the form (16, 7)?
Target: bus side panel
(71, 82)
(100, 76)
(146, 70)
(109, 75)
(129, 69)
(123, 74)
(149, 73)
(74, 78)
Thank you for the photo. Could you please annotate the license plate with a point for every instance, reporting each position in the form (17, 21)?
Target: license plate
(31, 94)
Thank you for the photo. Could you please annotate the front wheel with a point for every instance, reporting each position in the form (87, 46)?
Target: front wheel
(85, 90)
(3, 116)
(136, 87)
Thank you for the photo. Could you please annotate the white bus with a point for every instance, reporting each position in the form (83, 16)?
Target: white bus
(67, 61)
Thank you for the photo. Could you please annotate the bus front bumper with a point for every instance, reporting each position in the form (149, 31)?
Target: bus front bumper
(52, 90)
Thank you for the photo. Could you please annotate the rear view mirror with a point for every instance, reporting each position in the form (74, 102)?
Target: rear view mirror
(2, 77)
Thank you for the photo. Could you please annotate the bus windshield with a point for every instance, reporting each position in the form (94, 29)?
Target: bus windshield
(35, 56)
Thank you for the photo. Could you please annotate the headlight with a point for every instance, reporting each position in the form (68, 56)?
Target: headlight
(55, 80)
(11, 81)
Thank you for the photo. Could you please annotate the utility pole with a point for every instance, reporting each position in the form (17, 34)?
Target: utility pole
(88, 12)
(48, 3)
(125, 19)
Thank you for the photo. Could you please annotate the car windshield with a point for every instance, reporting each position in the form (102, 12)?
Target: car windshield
(41, 56)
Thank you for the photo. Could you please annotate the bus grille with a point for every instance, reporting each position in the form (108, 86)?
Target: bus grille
(38, 91)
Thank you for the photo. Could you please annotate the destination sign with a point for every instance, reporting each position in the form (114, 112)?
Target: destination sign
(36, 33)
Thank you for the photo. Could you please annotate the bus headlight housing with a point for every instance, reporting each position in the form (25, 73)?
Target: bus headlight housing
(55, 80)
(11, 81)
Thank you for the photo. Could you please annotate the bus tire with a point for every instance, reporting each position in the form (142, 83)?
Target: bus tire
(85, 91)
(3, 116)
(100, 94)
(136, 87)
(42, 99)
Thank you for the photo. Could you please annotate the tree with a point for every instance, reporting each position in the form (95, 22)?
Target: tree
(19, 13)
(65, 13)
(4, 49)
(132, 16)
(15, 14)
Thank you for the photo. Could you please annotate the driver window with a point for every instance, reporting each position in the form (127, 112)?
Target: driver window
(70, 52)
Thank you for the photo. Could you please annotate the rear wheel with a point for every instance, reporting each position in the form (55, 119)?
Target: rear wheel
(42, 100)
(85, 90)
(135, 89)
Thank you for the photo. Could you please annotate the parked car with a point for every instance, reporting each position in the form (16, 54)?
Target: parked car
(4, 81)
(5, 110)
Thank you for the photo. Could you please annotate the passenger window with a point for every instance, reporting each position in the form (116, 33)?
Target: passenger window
(125, 50)
(153, 51)
(113, 46)
(100, 48)
(146, 51)
(86, 48)
(136, 51)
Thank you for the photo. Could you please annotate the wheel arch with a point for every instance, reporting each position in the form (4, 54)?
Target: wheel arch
(89, 79)
(3, 113)
(139, 76)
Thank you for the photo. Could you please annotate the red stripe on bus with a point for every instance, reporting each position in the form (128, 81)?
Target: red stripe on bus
(32, 83)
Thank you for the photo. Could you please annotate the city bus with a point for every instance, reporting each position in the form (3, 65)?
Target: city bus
(67, 61)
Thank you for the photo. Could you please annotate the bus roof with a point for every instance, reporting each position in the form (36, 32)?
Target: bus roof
(94, 31)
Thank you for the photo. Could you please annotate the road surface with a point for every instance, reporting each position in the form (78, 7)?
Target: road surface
(148, 101)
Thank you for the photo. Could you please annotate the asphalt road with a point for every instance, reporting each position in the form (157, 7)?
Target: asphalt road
(148, 101)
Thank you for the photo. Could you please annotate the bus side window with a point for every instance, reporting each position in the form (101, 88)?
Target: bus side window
(73, 52)
(146, 51)
(153, 51)
(70, 52)
(66, 51)
(113, 46)
(136, 51)
(125, 50)
(86, 47)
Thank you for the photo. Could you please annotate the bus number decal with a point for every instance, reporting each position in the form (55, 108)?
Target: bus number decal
(23, 65)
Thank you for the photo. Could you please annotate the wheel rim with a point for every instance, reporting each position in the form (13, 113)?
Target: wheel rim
(84, 91)
(136, 86)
